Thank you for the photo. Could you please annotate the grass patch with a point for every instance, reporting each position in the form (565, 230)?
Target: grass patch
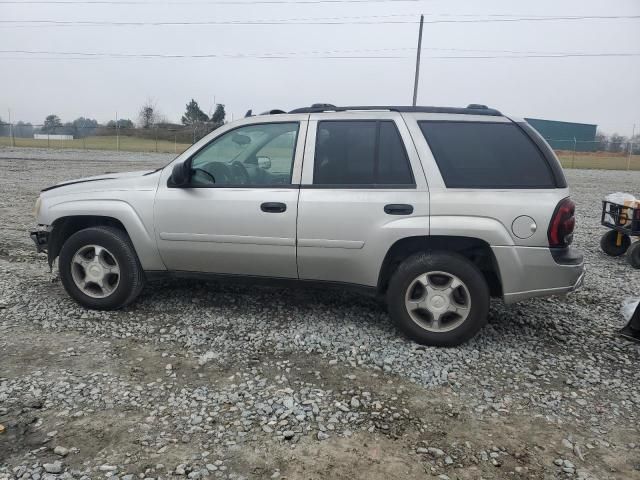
(601, 161)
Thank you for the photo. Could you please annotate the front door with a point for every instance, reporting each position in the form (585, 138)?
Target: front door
(238, 215)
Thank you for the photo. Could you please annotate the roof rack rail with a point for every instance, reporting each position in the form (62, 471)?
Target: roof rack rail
(472, 109)
(274, 111)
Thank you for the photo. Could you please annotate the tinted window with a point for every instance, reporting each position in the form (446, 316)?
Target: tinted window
(360, 153)
(486, 155)
(260, 154)
(394, 164)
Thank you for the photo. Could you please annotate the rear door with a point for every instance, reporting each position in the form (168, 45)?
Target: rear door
(489, 168)
(362, 189)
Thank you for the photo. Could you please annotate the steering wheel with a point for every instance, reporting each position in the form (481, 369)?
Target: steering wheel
(202, 170)
(220, 172)
(240, 171)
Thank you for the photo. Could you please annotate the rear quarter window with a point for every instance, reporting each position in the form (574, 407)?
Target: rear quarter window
(486, 155)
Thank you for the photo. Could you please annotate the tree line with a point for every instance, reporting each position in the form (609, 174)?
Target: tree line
(195, 123)
(151, 123)
(616, 143)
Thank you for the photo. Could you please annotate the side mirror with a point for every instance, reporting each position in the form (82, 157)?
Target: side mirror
(264, 163)
(181, 174)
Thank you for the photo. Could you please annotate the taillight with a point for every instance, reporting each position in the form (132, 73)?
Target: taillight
(562, 224)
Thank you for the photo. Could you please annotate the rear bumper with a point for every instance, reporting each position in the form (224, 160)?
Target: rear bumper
(528, 272)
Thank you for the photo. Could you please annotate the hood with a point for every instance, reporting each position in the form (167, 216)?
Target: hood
(108, 180)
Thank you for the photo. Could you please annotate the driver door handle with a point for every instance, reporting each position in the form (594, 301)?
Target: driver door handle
(273, 207)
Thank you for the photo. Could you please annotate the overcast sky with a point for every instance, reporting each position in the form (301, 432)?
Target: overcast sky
(604, 90)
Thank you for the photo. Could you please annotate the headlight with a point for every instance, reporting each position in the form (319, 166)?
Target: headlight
(36, 207)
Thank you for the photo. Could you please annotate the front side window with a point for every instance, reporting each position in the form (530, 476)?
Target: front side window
(260, 154)
(486, 155)
(360, 153)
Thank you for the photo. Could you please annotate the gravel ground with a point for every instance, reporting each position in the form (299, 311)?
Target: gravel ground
(207, 380)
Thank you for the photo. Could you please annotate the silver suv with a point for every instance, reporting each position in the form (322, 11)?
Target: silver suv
(436, 209)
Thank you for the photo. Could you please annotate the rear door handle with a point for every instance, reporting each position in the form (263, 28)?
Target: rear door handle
(398, 209)
(273, 207)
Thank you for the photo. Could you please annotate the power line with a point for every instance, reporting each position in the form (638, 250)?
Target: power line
(107, 22)
(331, 54)
(202, 2)
(561, 55)
(361, 20)
(358, 50)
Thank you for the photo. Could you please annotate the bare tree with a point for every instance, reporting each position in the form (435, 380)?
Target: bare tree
(161, 118)
(148, 114)
(617, 143)
(602, 141)
(635, 144)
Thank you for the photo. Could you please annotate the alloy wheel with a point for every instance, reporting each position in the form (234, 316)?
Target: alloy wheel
(438, 301)
(95, 271)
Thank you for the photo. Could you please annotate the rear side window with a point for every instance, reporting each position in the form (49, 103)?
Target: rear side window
(486, 155)
(393, 164)
(360, 153)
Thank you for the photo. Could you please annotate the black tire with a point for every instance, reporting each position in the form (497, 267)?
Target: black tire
(450, 263)
(633, 255)
(609, 241)
(131, 278)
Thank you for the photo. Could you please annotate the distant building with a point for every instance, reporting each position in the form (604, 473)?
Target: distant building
(566, 135)
(52, 136)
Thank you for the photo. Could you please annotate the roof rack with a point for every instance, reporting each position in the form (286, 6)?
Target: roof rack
(472, 109)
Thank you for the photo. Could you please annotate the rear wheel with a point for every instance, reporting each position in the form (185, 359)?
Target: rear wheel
(100, 269)
(614, 244)
(633, 255)
(439, 298)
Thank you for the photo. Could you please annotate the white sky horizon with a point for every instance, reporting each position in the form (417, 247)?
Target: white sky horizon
(601, 90)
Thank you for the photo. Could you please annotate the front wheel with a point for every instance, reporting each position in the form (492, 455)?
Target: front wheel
(439, 298)
(100, 269)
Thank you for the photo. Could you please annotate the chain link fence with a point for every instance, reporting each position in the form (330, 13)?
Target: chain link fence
(172, 138)
(593, 154)
(157, 138)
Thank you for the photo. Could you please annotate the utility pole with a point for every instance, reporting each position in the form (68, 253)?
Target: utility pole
(117, 133)
(633, 134)
(13, 140)
(417, 76)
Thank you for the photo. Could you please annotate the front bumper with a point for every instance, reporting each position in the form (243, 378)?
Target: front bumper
(528, 272)
(41, 239)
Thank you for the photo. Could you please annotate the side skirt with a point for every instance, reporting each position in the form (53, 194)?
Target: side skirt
(154, 276)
